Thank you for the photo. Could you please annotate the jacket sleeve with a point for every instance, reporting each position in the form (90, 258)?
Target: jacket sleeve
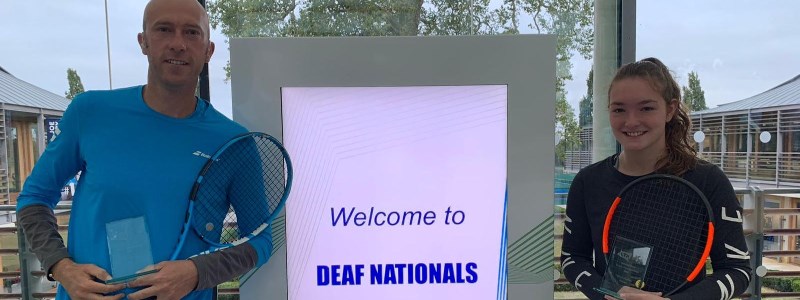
(730, 258)
(221, 266)
(577, 262)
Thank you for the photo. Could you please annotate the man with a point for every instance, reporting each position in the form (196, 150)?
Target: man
(149, 135)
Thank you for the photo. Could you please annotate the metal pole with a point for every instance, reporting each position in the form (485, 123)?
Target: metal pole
(723, 147)
(108, 46)
(749, 149)
(700, 128)
(205, 93)
(204, 84)
(757, 255)
(778, 149)
(626, 39)
(25, 275)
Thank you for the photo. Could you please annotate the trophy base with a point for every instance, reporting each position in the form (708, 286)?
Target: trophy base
(129, 278)
(608, 292)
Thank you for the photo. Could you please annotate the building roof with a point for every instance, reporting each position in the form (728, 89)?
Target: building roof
(787, 93)
(18, 92)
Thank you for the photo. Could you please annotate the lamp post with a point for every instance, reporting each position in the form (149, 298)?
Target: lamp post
(108, 46)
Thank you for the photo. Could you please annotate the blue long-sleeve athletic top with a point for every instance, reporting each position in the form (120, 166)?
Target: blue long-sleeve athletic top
(134, 162)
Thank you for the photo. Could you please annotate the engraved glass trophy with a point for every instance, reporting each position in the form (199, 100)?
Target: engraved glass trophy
(627, 266)
(129, 250)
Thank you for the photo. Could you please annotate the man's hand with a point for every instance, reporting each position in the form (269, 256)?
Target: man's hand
(80, 280)
(629, 293)
(174, 280)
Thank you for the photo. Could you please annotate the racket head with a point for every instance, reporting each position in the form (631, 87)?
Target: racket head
(240, 190)
(672, 216)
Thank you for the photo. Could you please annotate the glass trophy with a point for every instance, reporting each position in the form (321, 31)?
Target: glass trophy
(129, 250)
(627, 266)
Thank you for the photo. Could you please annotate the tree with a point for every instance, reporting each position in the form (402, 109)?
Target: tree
(693, 96)
(570, 20)
(566, 127)
(292, 18)
(74, 82)
(587, 102)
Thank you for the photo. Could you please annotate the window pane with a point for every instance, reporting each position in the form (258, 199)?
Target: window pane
(738, 65)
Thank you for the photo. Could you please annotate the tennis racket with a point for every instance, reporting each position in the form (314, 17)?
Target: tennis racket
(239, 191)
(674, 218)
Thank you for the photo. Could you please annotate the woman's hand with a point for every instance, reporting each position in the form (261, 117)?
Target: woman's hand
(629, 293)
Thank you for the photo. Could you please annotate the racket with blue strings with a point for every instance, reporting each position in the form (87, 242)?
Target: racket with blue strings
(240, 190)
(670, 215)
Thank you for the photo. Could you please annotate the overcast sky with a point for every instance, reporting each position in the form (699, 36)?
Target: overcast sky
(739, 48)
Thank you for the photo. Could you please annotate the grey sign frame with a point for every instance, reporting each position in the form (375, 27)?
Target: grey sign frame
(525, 63)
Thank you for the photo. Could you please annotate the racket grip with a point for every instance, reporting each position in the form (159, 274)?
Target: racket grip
(184, 232)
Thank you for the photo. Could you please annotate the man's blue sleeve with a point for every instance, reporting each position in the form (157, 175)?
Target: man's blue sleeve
(262, 243)
(60, 161)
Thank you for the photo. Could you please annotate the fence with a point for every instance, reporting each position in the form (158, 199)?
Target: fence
(29, 282)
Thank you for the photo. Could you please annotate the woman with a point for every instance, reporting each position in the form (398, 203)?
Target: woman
(651, 124)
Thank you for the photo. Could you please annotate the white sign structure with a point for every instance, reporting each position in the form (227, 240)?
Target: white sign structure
(423, 165)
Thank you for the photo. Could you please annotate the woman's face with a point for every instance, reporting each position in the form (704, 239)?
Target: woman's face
(638, 115)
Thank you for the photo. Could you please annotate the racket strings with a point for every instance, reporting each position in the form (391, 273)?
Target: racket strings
(670, 217)
(239, 191)
(273, 172)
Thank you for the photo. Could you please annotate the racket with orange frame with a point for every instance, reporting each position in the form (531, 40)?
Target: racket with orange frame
(674, 218)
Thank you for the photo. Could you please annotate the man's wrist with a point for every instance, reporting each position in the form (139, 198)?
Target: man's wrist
(57, 266)
(196, 274)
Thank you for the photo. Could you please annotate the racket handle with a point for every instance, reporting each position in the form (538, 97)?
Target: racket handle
(184, 232)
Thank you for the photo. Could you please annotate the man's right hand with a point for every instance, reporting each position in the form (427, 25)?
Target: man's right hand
(81, 281)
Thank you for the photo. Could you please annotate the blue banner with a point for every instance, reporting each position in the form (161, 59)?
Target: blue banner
(51, 126)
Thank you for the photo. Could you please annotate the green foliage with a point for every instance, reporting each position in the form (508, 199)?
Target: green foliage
(358, 18)
(587, 102)
(779, 284)
(229, 234)
(567, 287)
(74, 82)
(453, 17)
(570, 20)
(566, 127)
(228, 285)
(693, 96)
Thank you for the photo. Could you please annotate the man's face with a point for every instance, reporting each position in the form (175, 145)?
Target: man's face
(175, 40)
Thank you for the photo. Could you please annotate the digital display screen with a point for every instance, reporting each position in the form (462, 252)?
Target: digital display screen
(399, 192)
